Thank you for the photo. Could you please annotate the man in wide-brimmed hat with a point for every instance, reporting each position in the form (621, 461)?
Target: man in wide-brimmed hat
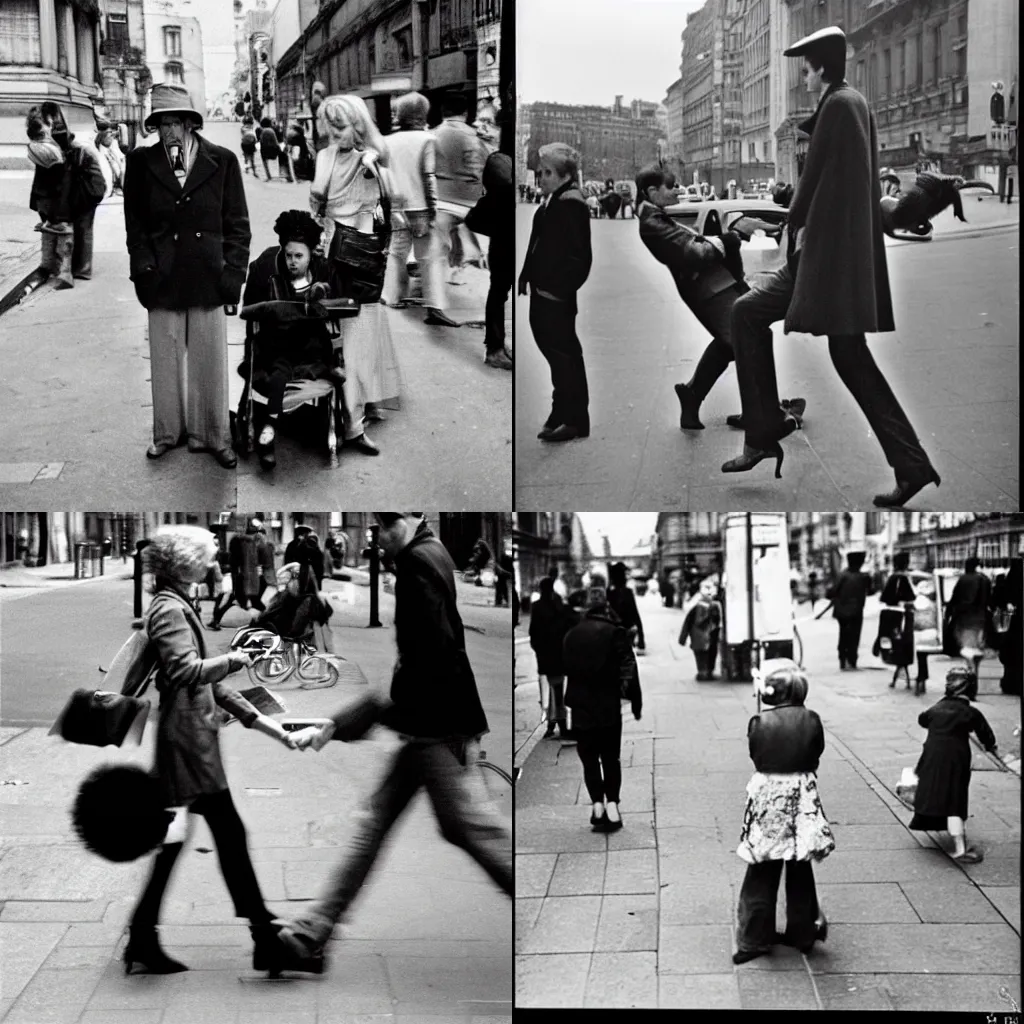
(188, 243)
(835, 282)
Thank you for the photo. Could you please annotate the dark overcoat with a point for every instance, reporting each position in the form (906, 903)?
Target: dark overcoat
(550, 620)
(188, 246)
(559, 254)
(842, 281)
(191, 687)
(849, 594)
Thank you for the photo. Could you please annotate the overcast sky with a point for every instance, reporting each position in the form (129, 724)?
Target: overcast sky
(624, 529)
(588, 51)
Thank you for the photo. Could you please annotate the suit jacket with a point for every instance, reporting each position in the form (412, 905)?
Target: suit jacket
(188, 761)
(849, 594)
(697, 267)
(188, 246)
(558, 257)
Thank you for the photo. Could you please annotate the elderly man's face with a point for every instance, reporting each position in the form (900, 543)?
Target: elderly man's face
(173, 130)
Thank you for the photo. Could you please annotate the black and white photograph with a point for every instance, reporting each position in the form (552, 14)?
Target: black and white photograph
(254, 248)
(768, 761)
(767, 254)
(256, 765)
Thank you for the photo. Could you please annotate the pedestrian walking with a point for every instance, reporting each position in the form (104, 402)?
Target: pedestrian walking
(1011, 647)
(558, 260)
(265, 558)
(110, 152)
(435, 708)
(222, 597)
(550, 620)
(412, 163)
(244, 559)
(601, 673)
(834, 221)
(317, 94)
(784, 824)
(188, 759)
(967, 613)
(502, 576)
(622, 601)
(895, 640)
(188, 243)
(350, 198)
(944, 768)
(283, 153)
(249, 140)
(848, 597)
(479, 558)
(459, 166)
(295, 545)
(270, 145)
(303, 158)
(702, 628)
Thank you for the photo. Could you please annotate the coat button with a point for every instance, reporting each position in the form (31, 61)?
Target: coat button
(175, 237)
(199, 234)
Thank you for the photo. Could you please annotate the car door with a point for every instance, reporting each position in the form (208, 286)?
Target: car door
(763, 253)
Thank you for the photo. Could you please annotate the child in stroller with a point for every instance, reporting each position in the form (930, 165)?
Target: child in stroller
(297, 608)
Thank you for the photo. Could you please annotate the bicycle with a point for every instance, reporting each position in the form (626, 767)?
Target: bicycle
(498, 781)
(278, 658)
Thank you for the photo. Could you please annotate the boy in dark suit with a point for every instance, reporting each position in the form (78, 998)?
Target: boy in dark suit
(557, 264)
(708, 273)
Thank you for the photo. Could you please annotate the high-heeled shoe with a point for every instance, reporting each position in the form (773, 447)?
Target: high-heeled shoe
(144, 949)
(752, 456)
(906, 489)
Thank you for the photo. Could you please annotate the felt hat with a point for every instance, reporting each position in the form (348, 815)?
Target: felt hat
(825, 40)
(169, 98)
(302, 529)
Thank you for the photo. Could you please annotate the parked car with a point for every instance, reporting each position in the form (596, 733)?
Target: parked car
(763, 221)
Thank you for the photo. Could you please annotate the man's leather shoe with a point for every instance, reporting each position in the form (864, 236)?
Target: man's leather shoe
(498, 359)
(363, 444)
(906, 489)
(154, 451)
(438, 318)
(562, 433)
(226, 457)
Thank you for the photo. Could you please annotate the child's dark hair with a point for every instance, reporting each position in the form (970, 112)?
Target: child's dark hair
(652, 176)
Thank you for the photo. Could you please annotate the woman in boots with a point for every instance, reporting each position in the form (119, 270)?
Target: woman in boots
(784, 824)
(944, 768)
(188, 759)
(702, 627)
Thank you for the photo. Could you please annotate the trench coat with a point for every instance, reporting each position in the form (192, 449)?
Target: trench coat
(842, 281)
(188, 247)
(188, 761)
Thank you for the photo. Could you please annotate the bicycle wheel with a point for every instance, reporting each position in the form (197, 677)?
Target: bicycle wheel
(499, 786)
(317, 673)
(274, 669)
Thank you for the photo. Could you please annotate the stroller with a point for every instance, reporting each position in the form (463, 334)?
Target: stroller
(321, 395)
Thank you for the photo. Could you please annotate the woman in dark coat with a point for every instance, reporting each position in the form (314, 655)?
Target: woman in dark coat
(967, 612)
(188, 758)
(286, 351)
(622, 601)
(784, 823)
(702, 627)
(601, 668)
(550, 620)
(1010, 650)
(895, 642)
(944, 768)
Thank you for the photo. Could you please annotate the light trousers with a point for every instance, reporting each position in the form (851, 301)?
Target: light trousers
(188, 352)
(396, 278)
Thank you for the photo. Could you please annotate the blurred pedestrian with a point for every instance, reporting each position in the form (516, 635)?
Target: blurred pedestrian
(848, 597)
(300, 533)
(311, 554)
(812, 588)
(188, 759)
(702, 627)
(783, 823)
(283, 154)
(944, 768)
(622, 601)
(601, 673)
(967, 613)
(479, 558)
(350, 197)
(502, 576)
(222, 598)
(249, 141)
(1011, 648)
(303, 158)
(550, 620)
(110, 151)
(435, 709)
(895, 643)
(270, 145)
(317, 95)
(265, 556)
(244, 558)
(668, 594)
(188, 244)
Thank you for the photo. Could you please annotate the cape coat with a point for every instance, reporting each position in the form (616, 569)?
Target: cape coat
(842, 281)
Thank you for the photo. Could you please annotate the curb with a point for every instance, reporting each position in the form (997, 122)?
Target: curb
(24, 285)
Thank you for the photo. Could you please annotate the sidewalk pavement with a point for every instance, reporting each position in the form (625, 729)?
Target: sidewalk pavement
(645, 917)
(428, 940)
(19, 243)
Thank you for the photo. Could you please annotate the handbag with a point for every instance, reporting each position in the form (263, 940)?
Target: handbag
(906, 788)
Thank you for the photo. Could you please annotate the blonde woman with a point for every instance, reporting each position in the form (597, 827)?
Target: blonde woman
(350, 197)
(188, 760)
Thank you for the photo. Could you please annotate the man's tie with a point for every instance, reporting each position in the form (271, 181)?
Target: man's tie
(177, 164)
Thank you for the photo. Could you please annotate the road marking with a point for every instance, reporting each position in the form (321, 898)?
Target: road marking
(19, 472)
(50, 471)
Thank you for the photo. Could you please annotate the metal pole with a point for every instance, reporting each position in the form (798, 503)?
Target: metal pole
(374, 575)
(750, 589)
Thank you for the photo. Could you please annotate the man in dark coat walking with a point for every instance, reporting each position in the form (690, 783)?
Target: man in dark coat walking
(622, 601)
(834, 283)
(848, 597)
(550, 620)
(188, 244)
(436, 709)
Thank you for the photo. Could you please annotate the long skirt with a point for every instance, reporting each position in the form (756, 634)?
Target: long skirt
(371, 365)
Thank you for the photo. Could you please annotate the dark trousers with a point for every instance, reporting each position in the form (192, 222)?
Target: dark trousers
(230, 838)
(599, 752)
(266, 164)
(849, 640)
(758, 898)
(554, 329)
(250, 162)
(752, 317)
(706, 661)
(502, 274)
(286, 169)
(81, 257)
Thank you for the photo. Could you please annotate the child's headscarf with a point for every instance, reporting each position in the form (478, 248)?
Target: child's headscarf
(961, 682)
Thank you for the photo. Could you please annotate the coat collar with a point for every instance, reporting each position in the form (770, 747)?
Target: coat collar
(204, 166)
(808, 126)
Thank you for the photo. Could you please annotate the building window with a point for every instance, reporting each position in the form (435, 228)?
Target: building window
(919, 60)
(860, 76)
(873, 78)
(403, 43)
(903, 65)
(936, 53)
(19, 32)
(768, 150)
(886, 72)
(172, 41)
(174, 72)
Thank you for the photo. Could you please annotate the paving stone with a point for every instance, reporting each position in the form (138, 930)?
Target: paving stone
(566, 924)
(438, 985)
(631, 871)
(637, 789)
(578, 874)
(791, 990)
(526, 912)
(553, 981)
(855, 992)
(881, 836)
(682, 869)
(115, 991)
(694, 949)
(885, 866)
(136, 1016)
(533, 873)
(708, 903)
(1007, 901)
(26, 947)
(357, 984)
(967, 992)
(941, 902)
(687, 840)
(699, 991)
(54, 873)
(555, 830)
(918, 948)
(685, 756)
(628, 924)
(865, 903)
(64, 957)
(54, 997)
(637, 832)
(625, 980)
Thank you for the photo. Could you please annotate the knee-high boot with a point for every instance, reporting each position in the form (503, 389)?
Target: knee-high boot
(65, 249)
(143, 946)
